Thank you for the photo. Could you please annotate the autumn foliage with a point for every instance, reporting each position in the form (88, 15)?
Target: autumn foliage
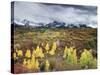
(34, 59)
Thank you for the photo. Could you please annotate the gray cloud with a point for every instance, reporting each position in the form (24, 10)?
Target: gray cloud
(41, 12)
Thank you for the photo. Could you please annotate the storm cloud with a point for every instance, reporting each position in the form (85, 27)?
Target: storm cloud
(46, 13)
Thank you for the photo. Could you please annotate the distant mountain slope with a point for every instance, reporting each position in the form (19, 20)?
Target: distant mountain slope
(54, 24)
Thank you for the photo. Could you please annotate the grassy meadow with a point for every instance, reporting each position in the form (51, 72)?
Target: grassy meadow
(54, 49)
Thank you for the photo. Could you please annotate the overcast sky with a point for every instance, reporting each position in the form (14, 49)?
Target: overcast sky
(41, 12)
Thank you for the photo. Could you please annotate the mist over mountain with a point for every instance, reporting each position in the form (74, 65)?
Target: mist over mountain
(53, 24)
(54, 15)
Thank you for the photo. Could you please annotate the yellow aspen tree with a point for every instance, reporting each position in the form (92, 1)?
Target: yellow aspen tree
(47, 47)
(94, 63)
(47, 65)
(83, 59)
(33, 58)
(37, 51)
(34, 53)
(41, 54)
(54, 46)
(20, 53)
(71, 49)
(74, 57)
(24, 62)
(89, 54)
(69, 57)
(14, 56)
(28, 54)
(52, 52)
(37, 65)
(86, 58)
(33, 62)
(90, 58)
(65, 52)
(29, 65)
